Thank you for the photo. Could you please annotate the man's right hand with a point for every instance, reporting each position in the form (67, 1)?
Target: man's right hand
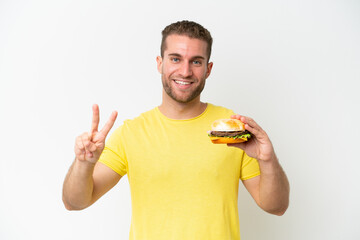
(89, 145)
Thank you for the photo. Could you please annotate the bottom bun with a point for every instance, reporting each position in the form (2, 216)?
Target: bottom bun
(227, 140)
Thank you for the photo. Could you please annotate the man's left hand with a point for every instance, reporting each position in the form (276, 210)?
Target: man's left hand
(259, 145)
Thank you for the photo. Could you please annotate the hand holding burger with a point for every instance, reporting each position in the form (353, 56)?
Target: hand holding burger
(244, 133)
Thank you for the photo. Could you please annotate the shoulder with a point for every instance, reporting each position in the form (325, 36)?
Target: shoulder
(220, 111)
(132, 127)
(140, 121)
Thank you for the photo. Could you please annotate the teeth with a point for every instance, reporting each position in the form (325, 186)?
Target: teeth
(182, 83)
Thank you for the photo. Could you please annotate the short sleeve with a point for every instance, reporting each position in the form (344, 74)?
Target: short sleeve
(114, 155)
(249, 167)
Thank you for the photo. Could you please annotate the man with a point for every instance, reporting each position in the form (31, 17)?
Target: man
(182, 185)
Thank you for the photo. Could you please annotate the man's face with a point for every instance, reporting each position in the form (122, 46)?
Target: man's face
(184, 67)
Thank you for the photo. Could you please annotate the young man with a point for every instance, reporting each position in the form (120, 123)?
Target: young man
(182, 185)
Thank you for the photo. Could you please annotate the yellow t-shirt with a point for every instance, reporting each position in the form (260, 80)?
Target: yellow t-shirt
(182, 185)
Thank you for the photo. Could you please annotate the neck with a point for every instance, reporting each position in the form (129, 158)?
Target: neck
(175, 110)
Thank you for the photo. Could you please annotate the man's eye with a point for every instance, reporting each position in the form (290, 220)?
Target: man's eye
(196, 62)
(175, 59)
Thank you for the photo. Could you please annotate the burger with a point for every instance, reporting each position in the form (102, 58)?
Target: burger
(228, 131)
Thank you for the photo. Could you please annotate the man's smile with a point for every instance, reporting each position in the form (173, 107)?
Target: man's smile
(182, 84)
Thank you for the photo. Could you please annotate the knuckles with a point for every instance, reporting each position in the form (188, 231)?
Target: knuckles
(86, 144)
(92, 148)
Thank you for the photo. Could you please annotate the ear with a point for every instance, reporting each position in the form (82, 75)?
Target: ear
(208, 70)
(159, 64)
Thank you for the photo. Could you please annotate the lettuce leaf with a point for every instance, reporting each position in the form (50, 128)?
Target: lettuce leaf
(235, 137)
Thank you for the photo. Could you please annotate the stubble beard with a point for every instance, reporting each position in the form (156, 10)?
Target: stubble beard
(186, 99)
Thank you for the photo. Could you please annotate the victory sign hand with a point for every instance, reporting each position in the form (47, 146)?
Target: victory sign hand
(89, 145)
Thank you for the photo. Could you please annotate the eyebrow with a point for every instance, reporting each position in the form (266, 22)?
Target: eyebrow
(178, 55)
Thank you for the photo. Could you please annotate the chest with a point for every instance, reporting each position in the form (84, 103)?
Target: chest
(182, 157)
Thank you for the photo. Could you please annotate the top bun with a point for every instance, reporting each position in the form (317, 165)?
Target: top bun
(227, 125)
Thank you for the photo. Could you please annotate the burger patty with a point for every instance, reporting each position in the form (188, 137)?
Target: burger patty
(228, 134)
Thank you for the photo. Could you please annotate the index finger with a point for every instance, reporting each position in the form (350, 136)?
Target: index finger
(247, 120)
(109, 124)
(95, 118)
(250, 124)
(236, 116)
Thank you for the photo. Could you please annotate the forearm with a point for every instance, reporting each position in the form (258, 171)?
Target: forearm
(78, 185)
(274, 187)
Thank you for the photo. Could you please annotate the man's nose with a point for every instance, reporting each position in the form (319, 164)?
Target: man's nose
(185, 69)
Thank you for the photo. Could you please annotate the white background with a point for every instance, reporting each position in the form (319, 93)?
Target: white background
(293, 66)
